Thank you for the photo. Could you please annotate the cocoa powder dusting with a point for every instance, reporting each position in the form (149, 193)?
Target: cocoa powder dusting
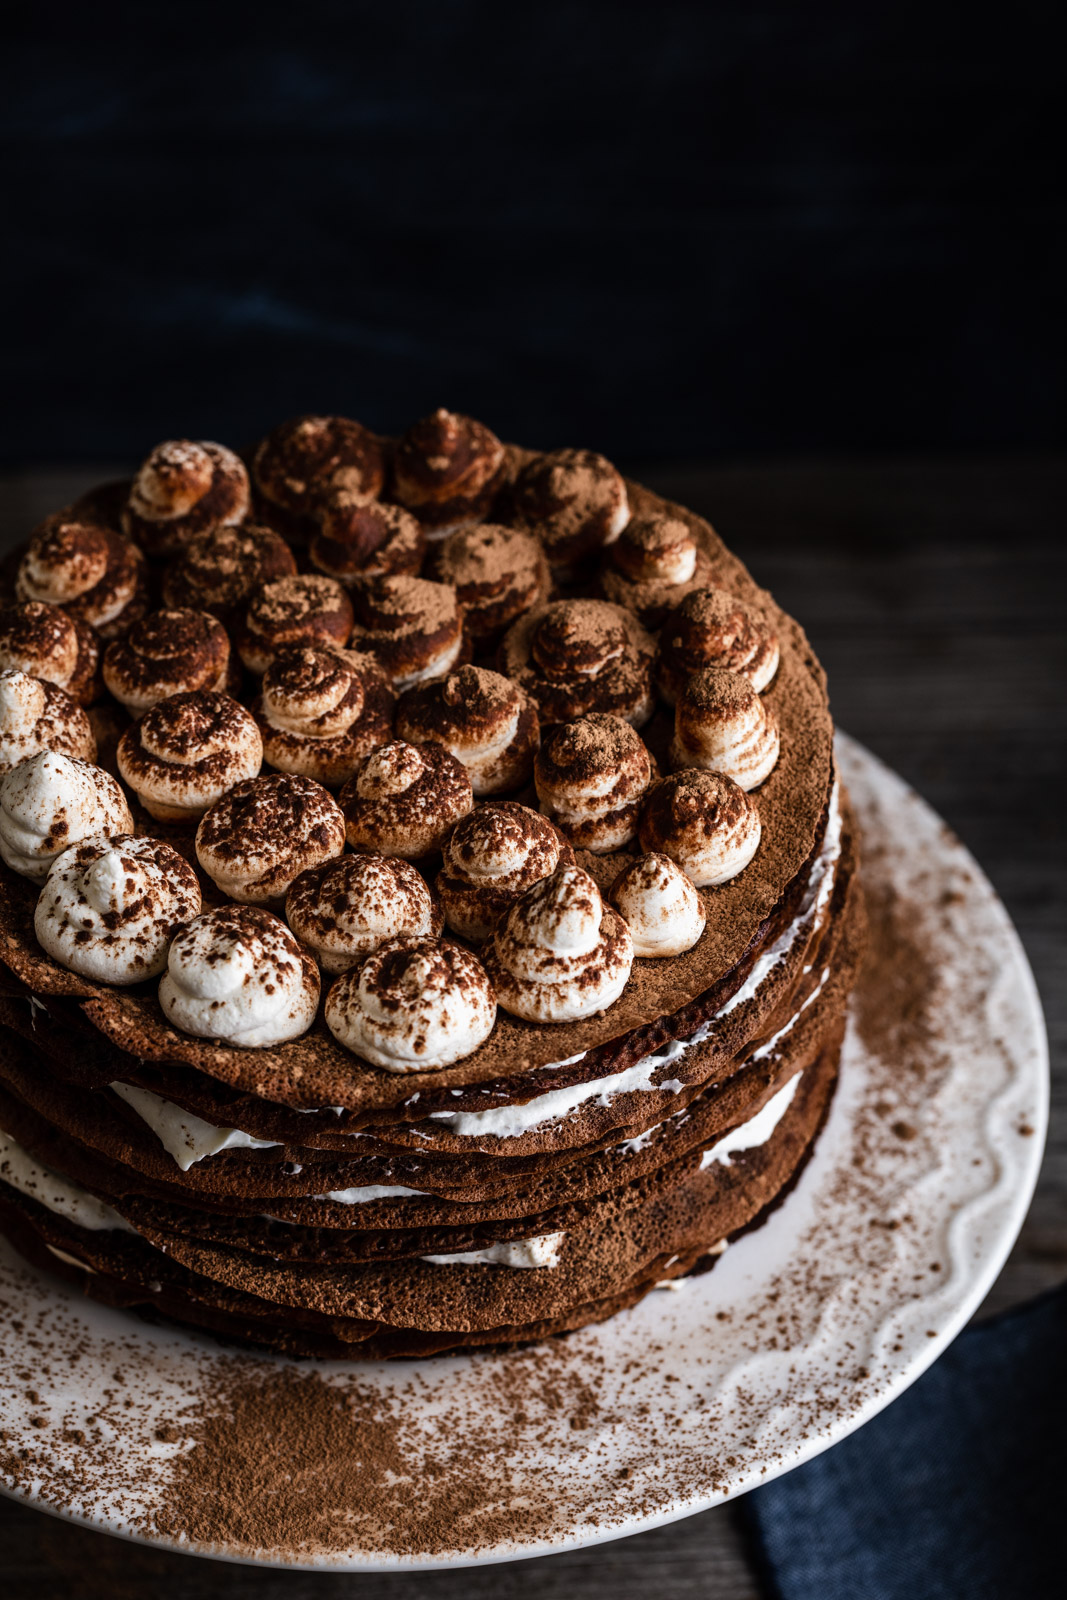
(285, 1460)
(288, 1460)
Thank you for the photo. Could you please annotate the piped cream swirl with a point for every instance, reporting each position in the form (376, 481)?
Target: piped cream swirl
(52, 802)
(412, 1006)
(722, 725)
(560, 954)
(237, 975)
(663, 911)
(111, 906)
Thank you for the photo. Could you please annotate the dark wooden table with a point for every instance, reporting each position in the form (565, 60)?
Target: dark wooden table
(933, 592)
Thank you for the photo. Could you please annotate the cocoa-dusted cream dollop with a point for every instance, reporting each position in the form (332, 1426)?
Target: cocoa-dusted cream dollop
(237, 975)
(51, 802)
(704, 822)
(412, 625)
(167, 652)
(661, 907)
(592, 776)
(345, 909)
(307, 609)
(186, 752)
(263, 833)
(221, 568)
(302, 461)
(559, 954)
(96, 575)
(497, 573)
(488, 723)
(721, 724)
(182, 487)
(576, 657)
(354, 539)
(575, 501)
(491, 857)
(653, 565)
(111, 906)
(710, 628)
(404, 799)
(36, 716)
(45, 642)
(447, 470)
(321, 711)
(413, 1005)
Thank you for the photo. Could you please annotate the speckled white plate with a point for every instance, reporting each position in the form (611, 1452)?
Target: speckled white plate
(804, 1330)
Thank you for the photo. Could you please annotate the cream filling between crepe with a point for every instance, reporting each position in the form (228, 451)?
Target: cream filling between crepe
(56, 1193)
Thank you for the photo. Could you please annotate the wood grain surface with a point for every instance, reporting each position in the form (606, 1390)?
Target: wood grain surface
(933, 592)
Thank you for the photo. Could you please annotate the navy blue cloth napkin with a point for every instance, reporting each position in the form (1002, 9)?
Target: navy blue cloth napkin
(958, 1491)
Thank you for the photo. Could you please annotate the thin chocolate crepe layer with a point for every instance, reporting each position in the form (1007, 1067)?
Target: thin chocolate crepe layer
(315, 1071)
(411, 1308)
(179, 1296)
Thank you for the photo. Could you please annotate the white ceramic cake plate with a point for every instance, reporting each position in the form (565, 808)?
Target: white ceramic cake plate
(804, 1331)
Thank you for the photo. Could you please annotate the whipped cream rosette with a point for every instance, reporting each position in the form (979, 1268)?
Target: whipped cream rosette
(412, 1006)
(263, 833)
(49, 803)
(592, 776)
(705, 822)
(97, 576)
(560, 953)
(447, 470)
(237, 975)
(307, 609)
(413, 626)
(322, 710)
(652, 566)
(111, 905)
(301, 462)
(497, 573)
(661, 908)
(711, 628)
(187, 751)
(36, 716)
(165, 653)
(183, 487)
(491, 857)
(44, 641)
(220, 569)
(577, 657)
(722, 725)
(489, 724)
(405, 798)
(356, 539)
(576, 502)
(349, 906)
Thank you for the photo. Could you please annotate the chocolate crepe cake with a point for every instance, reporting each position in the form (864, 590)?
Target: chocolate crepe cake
(429, 906)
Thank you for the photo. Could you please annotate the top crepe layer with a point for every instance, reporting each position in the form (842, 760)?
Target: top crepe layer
(315, 1071)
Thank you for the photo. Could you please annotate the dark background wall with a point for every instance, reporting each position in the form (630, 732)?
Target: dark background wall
(668, 230)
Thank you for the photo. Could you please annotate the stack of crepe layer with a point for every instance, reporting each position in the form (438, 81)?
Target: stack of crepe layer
(300, 1230)
(299, 1198)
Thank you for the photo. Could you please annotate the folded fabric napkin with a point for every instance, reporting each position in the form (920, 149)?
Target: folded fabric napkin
(958, 1491)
